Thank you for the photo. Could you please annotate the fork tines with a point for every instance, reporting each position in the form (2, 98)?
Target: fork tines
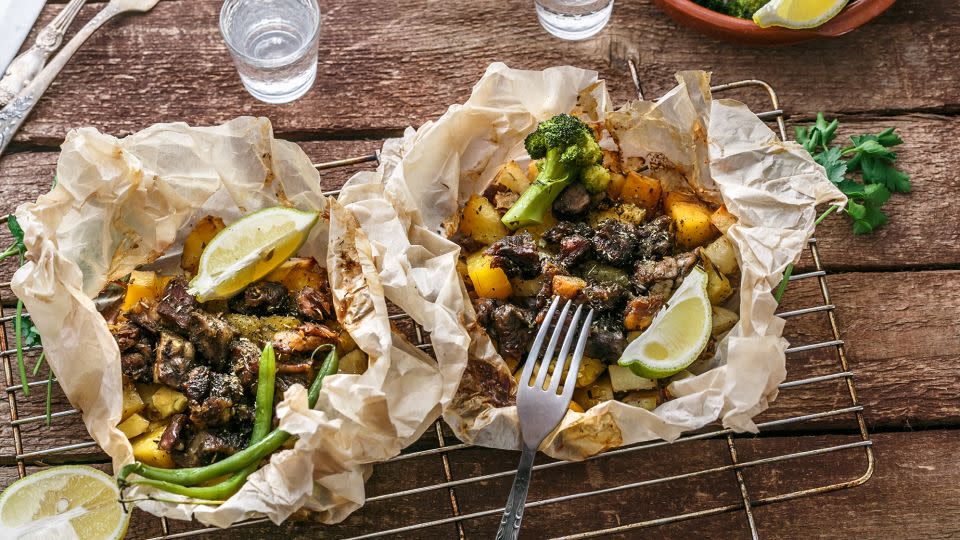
(567, 328)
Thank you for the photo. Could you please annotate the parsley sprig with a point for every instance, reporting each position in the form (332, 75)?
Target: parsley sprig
(870, 157)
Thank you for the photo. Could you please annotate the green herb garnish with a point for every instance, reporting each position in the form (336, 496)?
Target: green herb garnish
(870, 157)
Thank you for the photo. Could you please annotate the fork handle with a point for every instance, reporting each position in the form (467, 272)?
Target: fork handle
(513, 513)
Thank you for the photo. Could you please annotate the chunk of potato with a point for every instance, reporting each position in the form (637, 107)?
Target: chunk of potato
(142, 285)
(345, 343)
(134, 425)
(722, 219)
(526, 287)
(297, 273)
(721, 253)
(165, 401)
(132, 403)
(201, 235)
(567, 287)
(691, 221)
(146, 449)
(575, 407)
(481, 221)
(590, 370)
(354, 362)
(671, 198)
(594, 393)
(718, 286)
(615, 187)
(641, 190)
(623, 379)
(512, 177)
(722, 320)
(645, 399)
(487, 281)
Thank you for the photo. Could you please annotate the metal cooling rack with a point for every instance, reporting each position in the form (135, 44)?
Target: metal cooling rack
(454, 488)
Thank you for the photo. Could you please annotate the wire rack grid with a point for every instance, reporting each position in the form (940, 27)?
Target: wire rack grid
(454, 490)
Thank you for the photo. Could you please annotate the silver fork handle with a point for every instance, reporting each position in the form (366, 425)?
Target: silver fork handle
(15, 112)
(513, 513)
(27, 65)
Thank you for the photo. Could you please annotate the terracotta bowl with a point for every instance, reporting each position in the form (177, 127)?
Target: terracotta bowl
(745, 32)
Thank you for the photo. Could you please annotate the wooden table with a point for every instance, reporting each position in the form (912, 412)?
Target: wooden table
(384, 66)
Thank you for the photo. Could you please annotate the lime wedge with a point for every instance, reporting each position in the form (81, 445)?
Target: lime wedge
(63, 502)
(677, 335)
(249, 249)
(797, 14)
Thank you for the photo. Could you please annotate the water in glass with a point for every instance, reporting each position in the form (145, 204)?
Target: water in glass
(274, 45)
(573, 19)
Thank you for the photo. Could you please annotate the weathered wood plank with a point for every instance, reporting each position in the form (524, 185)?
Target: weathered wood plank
(912, 492)
(408, 62)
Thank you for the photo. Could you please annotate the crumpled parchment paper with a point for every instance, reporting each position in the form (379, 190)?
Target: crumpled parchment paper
(409, 206)
(123, 203)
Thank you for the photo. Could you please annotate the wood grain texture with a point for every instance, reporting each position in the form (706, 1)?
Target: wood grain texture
(384, 66)
(912, 491)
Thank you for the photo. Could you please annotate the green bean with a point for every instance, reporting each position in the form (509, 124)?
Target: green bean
(251, 455)
(263, 407)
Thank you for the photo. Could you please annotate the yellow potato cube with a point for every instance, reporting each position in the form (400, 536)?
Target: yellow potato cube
(354, 362)
(590, 370)
(165, 401)
(645, 399)
(722, 319)
(615, 187)
(691, 221)
(718, 286)
(132, 403)
(146, 449)
(134, 425)
(575, 407)
(481, 221)
(532, 171)
(295, 274)
(721, 253)
(526, 287)
(201, 235)
(487, 281)
(140, 286)
(594, 393)
(641, 190)
(512, 177)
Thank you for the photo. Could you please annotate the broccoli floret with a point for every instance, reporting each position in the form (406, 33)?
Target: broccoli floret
(565, 147)
(595, 178)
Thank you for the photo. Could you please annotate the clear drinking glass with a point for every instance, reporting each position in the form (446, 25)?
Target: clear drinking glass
(573, 19)
(274, 45)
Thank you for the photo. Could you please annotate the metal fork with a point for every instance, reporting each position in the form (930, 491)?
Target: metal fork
(26, 66)
(540, 410)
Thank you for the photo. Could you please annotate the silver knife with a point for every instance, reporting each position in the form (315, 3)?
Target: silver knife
(16, 20)
(26, 66)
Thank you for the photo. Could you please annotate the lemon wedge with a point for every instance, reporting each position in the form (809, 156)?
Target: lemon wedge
(677, 335)
(63, 502)
(249, 249)
(797, 14)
